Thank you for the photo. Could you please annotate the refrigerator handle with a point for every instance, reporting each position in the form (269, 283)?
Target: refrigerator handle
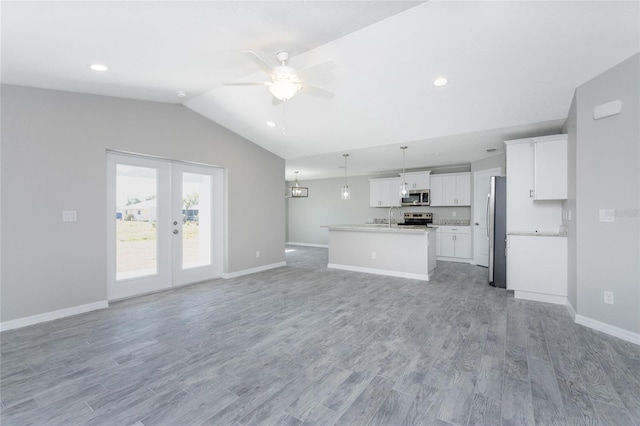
(487, 215)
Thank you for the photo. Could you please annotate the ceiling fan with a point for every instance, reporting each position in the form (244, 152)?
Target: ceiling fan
(285, 81)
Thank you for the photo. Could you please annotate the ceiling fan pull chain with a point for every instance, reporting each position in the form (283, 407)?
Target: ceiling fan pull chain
(284, 116)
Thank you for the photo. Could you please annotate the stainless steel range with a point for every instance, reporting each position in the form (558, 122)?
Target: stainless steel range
(418, 219)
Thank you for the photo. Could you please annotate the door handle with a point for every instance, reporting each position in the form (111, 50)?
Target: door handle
(175, 231)
(487, 216)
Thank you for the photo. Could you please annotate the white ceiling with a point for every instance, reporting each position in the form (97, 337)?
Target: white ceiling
(512, 68)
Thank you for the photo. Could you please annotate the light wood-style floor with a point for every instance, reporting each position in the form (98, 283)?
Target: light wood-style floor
(306, 345)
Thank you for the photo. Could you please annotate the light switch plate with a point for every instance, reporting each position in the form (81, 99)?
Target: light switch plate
(607, 215)
(69, 215)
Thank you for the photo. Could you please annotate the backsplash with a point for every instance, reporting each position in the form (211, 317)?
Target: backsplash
(455, 222)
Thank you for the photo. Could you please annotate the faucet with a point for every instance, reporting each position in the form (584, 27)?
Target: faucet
(391, 208)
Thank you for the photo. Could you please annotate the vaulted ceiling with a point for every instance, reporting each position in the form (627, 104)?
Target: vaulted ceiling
(512, 68)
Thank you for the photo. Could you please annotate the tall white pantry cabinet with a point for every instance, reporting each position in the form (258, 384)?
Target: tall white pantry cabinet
(536, 245)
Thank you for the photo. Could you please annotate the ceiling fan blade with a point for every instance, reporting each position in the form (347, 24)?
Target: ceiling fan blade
(248, 83)
(318, 92)
(259, 61)
(316, 70)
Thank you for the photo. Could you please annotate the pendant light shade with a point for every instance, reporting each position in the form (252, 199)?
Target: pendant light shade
(298, 191)
(345, 193)
(404, 188)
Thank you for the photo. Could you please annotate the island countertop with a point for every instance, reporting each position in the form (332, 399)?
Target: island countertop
(398, 229)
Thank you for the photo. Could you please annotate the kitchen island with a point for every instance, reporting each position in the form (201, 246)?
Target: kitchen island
(399, 251)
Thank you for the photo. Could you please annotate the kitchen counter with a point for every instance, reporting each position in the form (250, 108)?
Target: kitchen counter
(399, 251)
(452, 222)
(375, 227)
(538, 233)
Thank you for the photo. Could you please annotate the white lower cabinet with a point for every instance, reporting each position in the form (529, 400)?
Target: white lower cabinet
(453, 243)
(537, 268)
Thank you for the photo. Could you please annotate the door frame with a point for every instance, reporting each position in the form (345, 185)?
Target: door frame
(166, 276)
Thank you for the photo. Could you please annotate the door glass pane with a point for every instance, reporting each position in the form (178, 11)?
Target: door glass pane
(196, 220)
(136, 233)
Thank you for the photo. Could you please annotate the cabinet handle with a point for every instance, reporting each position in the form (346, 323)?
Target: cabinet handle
(531, 193)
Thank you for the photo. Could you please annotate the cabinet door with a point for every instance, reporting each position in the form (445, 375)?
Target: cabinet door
(449, 190)
(538, 264)
(448, 248)
(462, 246)
(391, 192)
(374, 193)
(417, 180)
(463, 190)
(550, 169)
(436, 191)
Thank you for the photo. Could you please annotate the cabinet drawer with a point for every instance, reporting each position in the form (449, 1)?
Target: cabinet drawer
(455, 229)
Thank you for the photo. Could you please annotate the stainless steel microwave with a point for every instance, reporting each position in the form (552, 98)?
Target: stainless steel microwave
(416, 197)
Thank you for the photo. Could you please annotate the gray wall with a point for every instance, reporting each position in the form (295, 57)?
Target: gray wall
(608, 177)
(569, 205)
(54, 158)
(325, 207)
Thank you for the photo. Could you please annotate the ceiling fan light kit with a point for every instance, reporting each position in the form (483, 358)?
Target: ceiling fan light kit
(285, 80)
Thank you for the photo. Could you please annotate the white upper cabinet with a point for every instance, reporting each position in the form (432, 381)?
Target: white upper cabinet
(450, 189)
(550, 168)
(524, 212)
(384, 192)
(417, 180)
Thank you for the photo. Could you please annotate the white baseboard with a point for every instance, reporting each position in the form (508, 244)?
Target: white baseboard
(422, 277)
(452, 259)
(539, 297)
(53, 315)
(227, 275)
(609, 329)
(307, 245)
(572, 311)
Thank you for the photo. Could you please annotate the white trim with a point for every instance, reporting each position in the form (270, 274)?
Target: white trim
(611, 330)
(453, 259)
(422, 277)
(540, 297)
(53, 315)
(228, 275)
(308, 245)
(572, 311)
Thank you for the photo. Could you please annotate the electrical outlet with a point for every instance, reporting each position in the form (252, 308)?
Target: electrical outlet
(373, 254)
(69, 215)
(608, 297)
(257, 254)
(453, 214)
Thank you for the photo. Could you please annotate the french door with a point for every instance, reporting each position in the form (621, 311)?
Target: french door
(164, 224)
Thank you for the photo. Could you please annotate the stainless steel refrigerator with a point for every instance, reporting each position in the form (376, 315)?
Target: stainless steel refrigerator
(497, 231)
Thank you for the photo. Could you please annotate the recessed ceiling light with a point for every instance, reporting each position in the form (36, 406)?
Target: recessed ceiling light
(272, 123)
(440, 81)
(99, 67)
(435, 153)
(181, 94)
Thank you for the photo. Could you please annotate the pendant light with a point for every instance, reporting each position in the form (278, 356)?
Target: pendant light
(298, 191)
(345, 194)
(404, 188)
